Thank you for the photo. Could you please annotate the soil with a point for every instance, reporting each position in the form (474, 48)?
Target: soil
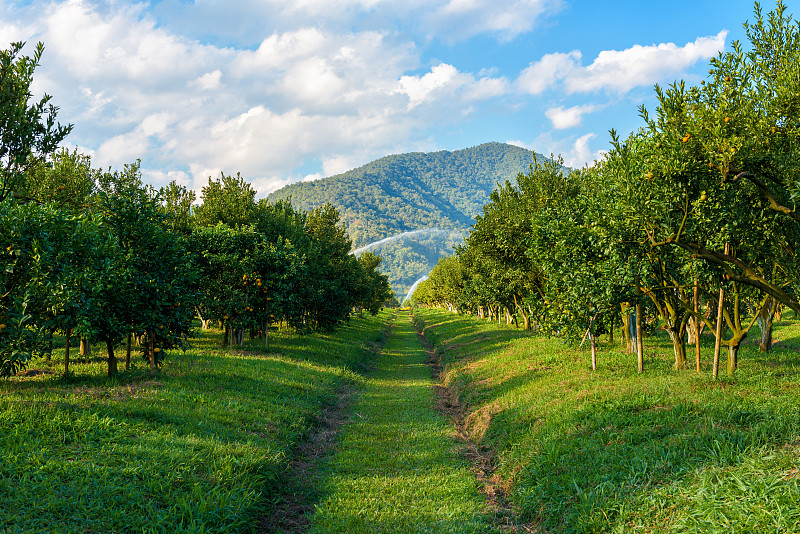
(291, 514)
(482, 459)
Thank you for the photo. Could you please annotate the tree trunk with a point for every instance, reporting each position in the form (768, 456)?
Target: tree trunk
(696, 326)
(86, 348)
(626, 329)
(718, 334)
(639, 343)
(611, 328)
(128, 352)
(594, 351)
(152, 354)
(765, 319)
(66, 353)
(112, 360)
(679, 346)
(733, 355)
(225, 337)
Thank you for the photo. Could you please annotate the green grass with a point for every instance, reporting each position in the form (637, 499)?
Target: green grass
(202, 447)
(206, 445)
(396, 468)
(615, 451)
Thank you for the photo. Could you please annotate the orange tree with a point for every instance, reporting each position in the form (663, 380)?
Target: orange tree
(28, 130)
(156, 300)
(730, 151)
(24, 241)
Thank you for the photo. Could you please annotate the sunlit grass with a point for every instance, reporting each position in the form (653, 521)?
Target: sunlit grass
(613, 450)
(397, 468)
(201, 447)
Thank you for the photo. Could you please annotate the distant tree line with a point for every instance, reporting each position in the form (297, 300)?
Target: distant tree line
(692, 219)
(102, 258)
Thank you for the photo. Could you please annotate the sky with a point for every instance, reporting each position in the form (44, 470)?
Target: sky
(282, 91)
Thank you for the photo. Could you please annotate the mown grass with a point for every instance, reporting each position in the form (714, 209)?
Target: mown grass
(396, 468)
(615, 451)
(201, 447)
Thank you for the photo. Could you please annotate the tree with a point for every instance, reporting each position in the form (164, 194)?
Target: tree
(28, 131)
(732, 145)
(66, 179)
(229, 200)
(373, 289)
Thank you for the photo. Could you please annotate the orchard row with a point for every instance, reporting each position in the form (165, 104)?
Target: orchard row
(692, 219)
(100, 257)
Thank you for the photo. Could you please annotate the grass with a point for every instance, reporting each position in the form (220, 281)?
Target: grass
(615, 451)
(396, 468)
(201, 447)
(208, 444)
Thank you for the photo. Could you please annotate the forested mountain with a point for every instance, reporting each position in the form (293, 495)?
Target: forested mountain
(407, 192)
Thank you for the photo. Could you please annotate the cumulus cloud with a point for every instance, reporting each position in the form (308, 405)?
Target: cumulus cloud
(445, 81)
(276, 84)
(575, 151)
(448, 20)
(570, 117)
(639, 65)
(545, 73)
(441, 78)
(617, 70)
(136, 89)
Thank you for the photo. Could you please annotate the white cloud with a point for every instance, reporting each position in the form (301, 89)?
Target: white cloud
(209, 81)
(282, 83)
(445, 85)
(576, 152)
(161, 178)
(581, 154)
(313, 177)
(441, 78)
(486, 88)
(617, 70)
(639, 65)
(545, 73)
(570, 117)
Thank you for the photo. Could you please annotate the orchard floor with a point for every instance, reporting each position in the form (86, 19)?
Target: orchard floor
(397, 466)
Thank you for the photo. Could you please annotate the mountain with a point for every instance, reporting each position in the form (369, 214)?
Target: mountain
(397, 195)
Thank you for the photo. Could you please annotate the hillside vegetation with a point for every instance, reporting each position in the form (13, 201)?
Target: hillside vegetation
(405, 192)
(442, 191)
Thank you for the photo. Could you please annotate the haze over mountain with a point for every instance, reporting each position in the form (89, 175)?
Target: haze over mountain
(386, 204)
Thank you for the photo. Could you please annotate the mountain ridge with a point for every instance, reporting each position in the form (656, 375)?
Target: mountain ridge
(398, 194)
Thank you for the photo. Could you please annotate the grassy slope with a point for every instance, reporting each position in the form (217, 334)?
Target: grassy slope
(201, 448)
(396, 468)
(613, 451)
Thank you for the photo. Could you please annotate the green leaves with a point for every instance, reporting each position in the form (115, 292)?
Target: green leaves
(28, 131)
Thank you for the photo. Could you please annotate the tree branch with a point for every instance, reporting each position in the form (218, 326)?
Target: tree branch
(748, 276)
(766, 191)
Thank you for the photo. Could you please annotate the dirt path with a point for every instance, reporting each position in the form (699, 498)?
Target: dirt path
(397, 467)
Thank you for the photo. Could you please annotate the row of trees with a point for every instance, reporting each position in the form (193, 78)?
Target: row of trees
(693, 217)
(103, 258)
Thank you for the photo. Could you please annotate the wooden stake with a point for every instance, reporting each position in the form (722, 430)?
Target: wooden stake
(66, 353)
(639, 341)
(151, 350)
(718, 341)
(696, 326)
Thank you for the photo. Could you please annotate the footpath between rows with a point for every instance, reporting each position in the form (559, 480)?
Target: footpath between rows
(396, 466)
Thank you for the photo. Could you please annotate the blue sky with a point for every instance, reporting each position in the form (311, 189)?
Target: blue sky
(295, 90)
